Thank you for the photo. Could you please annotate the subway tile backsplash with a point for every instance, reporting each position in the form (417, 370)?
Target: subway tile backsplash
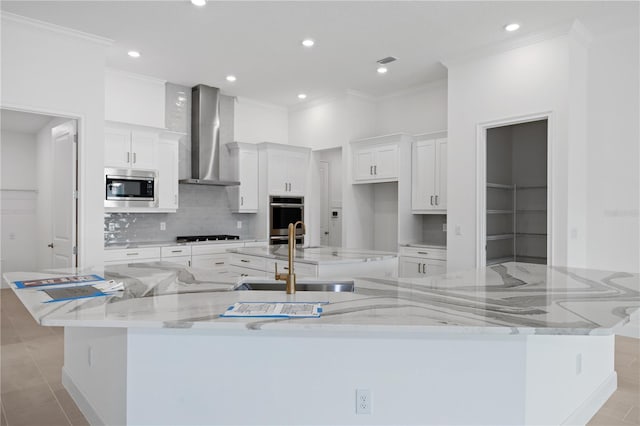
(204, 210)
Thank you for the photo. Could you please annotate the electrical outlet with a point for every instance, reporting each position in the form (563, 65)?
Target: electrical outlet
(163, 226)
(363, 401)
(239, 224)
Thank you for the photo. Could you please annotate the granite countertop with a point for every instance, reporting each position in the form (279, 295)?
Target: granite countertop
(317, 255)
(512, 298)
(113, 246)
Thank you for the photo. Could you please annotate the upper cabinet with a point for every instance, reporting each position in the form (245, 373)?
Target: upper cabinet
(287, 168)
(127, 148)
(168, 174)
(429, 176)
(243, 160)
(375, 159)
(134, 99)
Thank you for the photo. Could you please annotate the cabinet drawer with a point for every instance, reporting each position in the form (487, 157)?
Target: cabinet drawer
(423, 252)
(252, 262)
(198, 249)
(416, 267)
(173, 251)
(210, 261)
(132, 254)
(245, 272)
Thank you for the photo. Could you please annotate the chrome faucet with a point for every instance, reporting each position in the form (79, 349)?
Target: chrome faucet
(290, 277)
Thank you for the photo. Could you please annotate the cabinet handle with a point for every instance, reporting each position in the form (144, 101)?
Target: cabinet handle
(128, 157)
(436, 200)
(188, 262)
(423, 252)
(289, 186)
(241, 201)
(375, 170)
(419, 265)
(219, 263)
(424, 268)
(176, 251)
(245, 261)
(285, 187)
(134, 158)
(432, 200)
(371, 170)
(133, 254)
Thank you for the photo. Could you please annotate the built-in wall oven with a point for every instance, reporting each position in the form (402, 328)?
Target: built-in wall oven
(282, 212)
(130, 188)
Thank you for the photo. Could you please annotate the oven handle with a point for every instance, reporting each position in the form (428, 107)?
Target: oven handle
(286, 205)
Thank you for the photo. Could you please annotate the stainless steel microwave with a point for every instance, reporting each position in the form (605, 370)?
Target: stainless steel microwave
(130, 188)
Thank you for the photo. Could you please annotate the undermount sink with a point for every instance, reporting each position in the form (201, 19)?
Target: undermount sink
(334, 286)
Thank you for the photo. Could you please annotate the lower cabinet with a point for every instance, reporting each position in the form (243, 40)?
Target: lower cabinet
(256, 266)
(421, 262)
(131, 255)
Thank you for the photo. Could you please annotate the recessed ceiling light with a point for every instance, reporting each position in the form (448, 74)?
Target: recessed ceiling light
(133, 53)
(231, 78)
(307, 42)
(199, 2)
(511, 27)
(302, 96)
(382, 70)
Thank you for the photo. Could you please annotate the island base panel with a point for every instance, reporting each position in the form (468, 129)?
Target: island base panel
(190, 376)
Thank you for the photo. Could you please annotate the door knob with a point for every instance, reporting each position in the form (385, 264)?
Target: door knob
(50, 245)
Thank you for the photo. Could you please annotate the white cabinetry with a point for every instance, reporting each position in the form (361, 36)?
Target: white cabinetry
(135, 99)
(212, 256)
(286, 169)
(168, 175)
(176, 254)
(375, 160)
(243, 158)
(429, 176)
(127, 148)
(422, 262)
(131, 255)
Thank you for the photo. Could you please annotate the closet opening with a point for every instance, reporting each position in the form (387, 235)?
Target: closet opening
(516, 213)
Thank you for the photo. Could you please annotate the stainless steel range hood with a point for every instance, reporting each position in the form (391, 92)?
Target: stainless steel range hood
(205, 137)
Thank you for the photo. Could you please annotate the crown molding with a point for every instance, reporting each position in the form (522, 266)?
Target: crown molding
(562, 29)
(55, 28)
(134, 75)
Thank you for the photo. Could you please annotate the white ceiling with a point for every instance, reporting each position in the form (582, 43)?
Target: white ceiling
(259, 42)
(22, 122)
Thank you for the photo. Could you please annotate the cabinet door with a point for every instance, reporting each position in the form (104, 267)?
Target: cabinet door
(363, 161)
(117, 148)
(434, 267)
(410, 267)
(248, 176)
(441, 173)
(167, 174)
(277, 173)
(297, 167)
(423, 189)
(143, 150)
(210, 261)
(386, 162)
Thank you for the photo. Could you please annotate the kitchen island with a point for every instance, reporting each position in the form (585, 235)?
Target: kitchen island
(512, 344)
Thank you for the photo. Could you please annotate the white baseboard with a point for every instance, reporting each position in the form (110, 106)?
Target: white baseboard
(594, 402)
(81, 401)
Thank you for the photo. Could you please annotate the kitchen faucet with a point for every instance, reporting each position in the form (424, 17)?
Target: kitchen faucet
(290, 277)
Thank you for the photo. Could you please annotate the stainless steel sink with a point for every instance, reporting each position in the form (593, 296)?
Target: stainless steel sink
(302, 285)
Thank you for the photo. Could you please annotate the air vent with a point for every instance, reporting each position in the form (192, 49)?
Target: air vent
(386, 60)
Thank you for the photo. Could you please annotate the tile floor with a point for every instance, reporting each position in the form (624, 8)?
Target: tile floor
(32, 393)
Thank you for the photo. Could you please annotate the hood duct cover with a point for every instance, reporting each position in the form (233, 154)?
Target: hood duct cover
(205, 137)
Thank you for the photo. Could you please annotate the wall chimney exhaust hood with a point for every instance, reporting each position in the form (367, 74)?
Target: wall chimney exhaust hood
(205, 137)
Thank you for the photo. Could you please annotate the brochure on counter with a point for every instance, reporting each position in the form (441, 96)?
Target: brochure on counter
(58, 281)
(60, 294)
(274, 310)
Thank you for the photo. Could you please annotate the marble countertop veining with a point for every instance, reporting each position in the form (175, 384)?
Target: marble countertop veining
(317, 255)
(512, 298)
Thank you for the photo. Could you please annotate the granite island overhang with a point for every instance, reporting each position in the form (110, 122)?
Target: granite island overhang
(512, 344)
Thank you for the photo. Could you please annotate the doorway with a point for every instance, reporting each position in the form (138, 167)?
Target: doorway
(516, 214)
(330, 193)
(39, 191)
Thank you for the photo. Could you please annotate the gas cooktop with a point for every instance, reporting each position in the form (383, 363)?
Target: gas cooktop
(193, 238)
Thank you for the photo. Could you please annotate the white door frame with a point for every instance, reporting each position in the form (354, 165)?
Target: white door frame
(80, 130)
(481, 180)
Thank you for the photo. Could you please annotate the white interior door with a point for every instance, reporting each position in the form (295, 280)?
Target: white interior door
(324, 203)
(64, 202)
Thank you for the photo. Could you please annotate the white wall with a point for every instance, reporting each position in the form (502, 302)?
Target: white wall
(61, 72)
(613, 149)
(135, 99)
(422, 110)
(321, 125)
(19, 200)
(527, 80)
(256, 122)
